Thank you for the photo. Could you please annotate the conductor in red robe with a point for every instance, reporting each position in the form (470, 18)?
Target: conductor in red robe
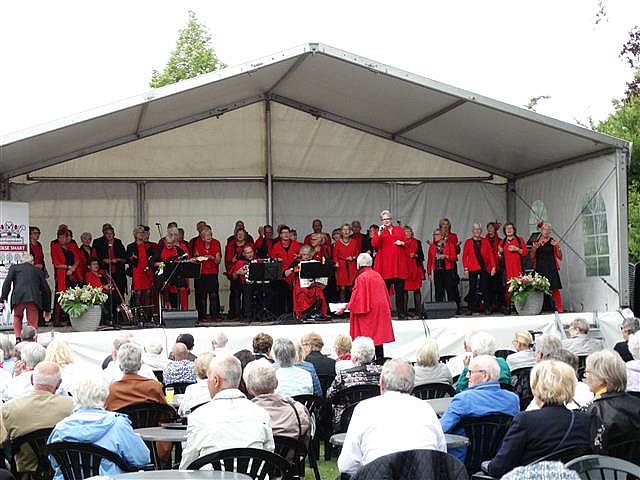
(370, 307)
(391, 259)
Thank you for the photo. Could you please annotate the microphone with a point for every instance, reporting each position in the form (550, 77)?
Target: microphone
(158, 224)
(184, 255)
(110, 245)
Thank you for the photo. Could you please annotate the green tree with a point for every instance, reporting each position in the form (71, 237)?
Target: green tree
(193, 55)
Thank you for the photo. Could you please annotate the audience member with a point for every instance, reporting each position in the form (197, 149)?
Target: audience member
(548, 347)
(615, 414)
(542, 471)
(229, 420)
(483, 397)
(292, 380)
(180, 369)
(633, 366)
(113, 372)
(91, 423)
(219, 345)
(198, 393)
(342, 348)
(392, 422)
(524, 356)
(262, 344)
(132, 388)
(312, 345)
(428, 368)
(8, 349)
(552, 427)
(629, 327)
(580, 342)
(31, 354)
(59, 352)
(308, 366)
(483, 343)
(288, 417)
(5, 380)
(245, 357)
(153, 356)
(364, 373)
(29, 334)
(188, 340)
(40, 409)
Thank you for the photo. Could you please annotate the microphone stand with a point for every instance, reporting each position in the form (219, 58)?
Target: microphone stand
(166, 282)
(114, 321)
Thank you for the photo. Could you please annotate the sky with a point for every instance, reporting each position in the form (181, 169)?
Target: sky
(64, 57)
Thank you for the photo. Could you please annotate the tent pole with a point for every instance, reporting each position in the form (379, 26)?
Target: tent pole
(141, 200)
(622, 162)
(511, 201)
(5, 191)
(269, 161)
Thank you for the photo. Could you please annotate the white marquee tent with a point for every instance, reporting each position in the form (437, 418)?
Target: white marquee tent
(319, 132)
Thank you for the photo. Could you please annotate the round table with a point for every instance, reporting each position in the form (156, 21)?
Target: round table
(453, 441)
(440, 405)
(178, 475)
(161, 434)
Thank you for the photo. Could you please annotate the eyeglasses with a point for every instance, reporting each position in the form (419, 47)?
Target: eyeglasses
(475, 371)
(385, 218)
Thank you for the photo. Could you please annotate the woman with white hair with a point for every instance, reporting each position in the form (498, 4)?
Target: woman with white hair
(91, 423)
(428, 368)
(172, 251)
(59, 352)
(292, 380)
(546, 255)
(197, 393)
(483, 343)
(153, 356)
(479, 264)
(8, 349)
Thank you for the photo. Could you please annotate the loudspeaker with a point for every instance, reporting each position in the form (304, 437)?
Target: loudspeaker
(439, 310)
(179, 318)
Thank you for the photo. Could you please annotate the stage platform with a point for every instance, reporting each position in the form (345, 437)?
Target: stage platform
(92, 347)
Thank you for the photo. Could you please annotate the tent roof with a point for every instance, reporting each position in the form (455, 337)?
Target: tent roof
(334, 85)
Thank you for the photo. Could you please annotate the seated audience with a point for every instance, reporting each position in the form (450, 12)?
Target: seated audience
(308, 366)
(31, 354)
(188, 340)
(39, 409)
(59, 352)
(8, 348)
(342, 348)
(219, 345)
(364, 373)
(180, 369)
(633, 366)
(5, 380)
(132, 388)
(288, 417)
(262, 344)
(392, 422)
(552, 427)
(198, 393)
(483, 397)
(292, 380)
(580, 342)
(245, 357)
(28, 334)
(312, 345)
(229, 420)
(524, 356)
(483, 343)
(428, 367)
(113, 372)
(629, 327)
(615, 414)
(91, 423)
(153, 356)
(548, 347)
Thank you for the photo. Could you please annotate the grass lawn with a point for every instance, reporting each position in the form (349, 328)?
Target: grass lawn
(328, 470)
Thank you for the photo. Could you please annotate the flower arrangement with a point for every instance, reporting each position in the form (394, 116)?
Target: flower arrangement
(520, 287)
(76, 300)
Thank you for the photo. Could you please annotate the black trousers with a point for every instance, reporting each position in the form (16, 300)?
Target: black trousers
(398, 286)
(248, 290)
(207, 291)
(379, 352)
(284, 297)
(444, 281)
(235, 297)
(496, 290)
(478, 290)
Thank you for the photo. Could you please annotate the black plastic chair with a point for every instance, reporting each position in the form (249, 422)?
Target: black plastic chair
(317, 406)
(413, 465)
(255, 462)
(178, 388)
(507, 386)
(582, 366)
(430, 391)
(485, 436)
(195, 407)
(565, 455)
(78, 461)
(149, 414)
(627, 449)
(445, 358)
(345, 418)
(355, 394)
(159, 375)
(601, 467)
(325, 381)
(295, 452)
(381, 361)
(521, 385)
(503, 353)
(36, 441)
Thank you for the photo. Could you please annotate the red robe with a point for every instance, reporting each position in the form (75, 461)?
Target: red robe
(346, 270)
(304, 298)
(370, 308)
(391, 259)
(415, 273)
(513, 260)
(469, 260)
(287, 256)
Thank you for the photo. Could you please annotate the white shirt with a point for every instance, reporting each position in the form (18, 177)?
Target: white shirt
(5, 380)
(389, 423)
(113, 373)
(293, 381)
(343, 365)
(156, 361)
(69, 374)
(521, 359)
(229, 420)
(581, 397)
(194, 395)
(20, 386)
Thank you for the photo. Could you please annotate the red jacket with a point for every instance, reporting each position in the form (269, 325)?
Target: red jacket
(449, 251)
(469, 260)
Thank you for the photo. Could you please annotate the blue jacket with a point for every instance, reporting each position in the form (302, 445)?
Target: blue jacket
(317, 389)
(484, 399)
(105, 429)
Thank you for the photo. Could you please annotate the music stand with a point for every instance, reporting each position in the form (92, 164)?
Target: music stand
(315, 271)
(262, 274)
(527, 263)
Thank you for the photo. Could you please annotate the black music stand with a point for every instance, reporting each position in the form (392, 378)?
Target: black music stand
(182, 269)
(527, 263)
(262, 274)
(315, 271)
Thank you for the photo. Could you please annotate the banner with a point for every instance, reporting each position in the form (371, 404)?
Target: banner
(14, 241)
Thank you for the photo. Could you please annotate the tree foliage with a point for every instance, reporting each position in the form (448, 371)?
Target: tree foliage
(533, 102)
(193, 56)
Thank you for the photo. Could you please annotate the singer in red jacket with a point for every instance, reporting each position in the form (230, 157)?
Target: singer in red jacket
(441, 264)
(286, 251)
(391, 259)
(479, 265)
(512, 249)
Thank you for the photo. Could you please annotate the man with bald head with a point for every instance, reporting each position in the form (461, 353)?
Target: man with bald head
(229, 420)
(42, 408)
(180, 369)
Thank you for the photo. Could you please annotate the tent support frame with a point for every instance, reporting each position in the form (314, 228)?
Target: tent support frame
(511, 202)
(622, 163)
(428, 118)
(141, 203)
(269, 162)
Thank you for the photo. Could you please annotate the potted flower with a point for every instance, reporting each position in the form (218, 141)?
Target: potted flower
(83, 305)
(527, 293)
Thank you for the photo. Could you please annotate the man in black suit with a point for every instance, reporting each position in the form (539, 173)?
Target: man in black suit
(113, 257)
(31, 293)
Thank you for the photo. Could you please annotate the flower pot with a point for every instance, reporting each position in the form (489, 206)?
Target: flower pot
(88, 321)
(532, 305)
